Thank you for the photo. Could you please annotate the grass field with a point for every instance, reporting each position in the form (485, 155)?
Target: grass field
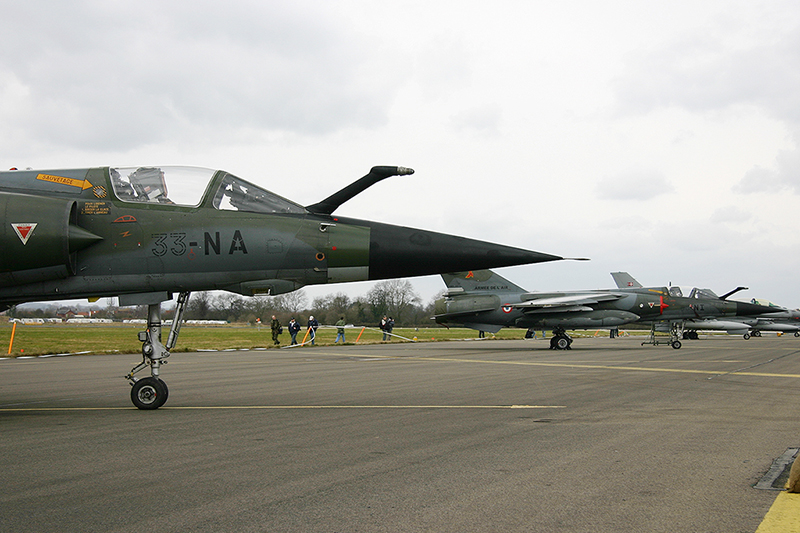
(117, 338)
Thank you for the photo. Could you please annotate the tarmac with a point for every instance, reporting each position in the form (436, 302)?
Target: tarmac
(461, 436)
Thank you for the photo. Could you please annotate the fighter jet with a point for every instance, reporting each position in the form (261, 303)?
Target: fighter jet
(484, 300)
(778, 319)
(624, 280)
(144, 233)
(783, 320)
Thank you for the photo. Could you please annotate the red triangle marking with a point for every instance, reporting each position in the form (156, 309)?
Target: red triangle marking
(24, 230)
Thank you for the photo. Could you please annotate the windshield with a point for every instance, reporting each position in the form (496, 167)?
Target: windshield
(160, 185)
(234, 194)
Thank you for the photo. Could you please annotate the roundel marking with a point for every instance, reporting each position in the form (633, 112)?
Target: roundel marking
(507, 308)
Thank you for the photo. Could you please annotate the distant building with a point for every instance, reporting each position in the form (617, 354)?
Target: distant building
(65, 313)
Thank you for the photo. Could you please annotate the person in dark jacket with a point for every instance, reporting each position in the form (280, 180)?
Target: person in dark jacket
(387, 330)
(312, 328)
(382, 325)
(294, 329)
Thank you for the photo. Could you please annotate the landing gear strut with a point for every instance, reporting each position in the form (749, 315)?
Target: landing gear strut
(560, 340)
(675, 332)
(151, 392)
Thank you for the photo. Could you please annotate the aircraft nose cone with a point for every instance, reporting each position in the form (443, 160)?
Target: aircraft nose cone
(397, 251)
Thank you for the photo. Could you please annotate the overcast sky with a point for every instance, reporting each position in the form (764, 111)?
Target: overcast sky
(655, 138)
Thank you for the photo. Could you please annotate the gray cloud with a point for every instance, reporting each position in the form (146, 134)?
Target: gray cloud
(785, 175)
(704, 74)
(643, 185)
(701, 73)
(485, 119)
(116, 75)
(730, 215)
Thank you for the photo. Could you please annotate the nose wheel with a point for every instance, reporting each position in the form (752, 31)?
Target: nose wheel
(149, 393)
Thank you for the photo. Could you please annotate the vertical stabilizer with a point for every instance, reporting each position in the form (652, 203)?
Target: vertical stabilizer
(625, 281)
(479, 281)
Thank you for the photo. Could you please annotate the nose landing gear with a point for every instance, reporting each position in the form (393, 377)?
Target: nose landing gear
(151, 392)
(676, 331)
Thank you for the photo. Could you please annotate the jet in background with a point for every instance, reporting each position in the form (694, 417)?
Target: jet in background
(144, 233)
(624, 280)
(486, 301)
(784, 320)
(779, 319)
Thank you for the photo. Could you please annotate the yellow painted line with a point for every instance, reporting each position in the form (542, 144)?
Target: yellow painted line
(599, 367)
(376, 357)
(783, 516)
(380, 407)
(277, 407)
(33, 409)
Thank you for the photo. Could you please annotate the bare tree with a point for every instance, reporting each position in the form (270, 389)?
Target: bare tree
(392, 297)
(291, 302)
(200, 305)
(232, 306)
(328, 309)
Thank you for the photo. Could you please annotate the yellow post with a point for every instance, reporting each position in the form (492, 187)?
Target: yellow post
(306, 336)
(362, 332)
(11, 344)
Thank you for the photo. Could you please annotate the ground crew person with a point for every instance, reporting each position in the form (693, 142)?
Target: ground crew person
(340, 330)
(277, 329)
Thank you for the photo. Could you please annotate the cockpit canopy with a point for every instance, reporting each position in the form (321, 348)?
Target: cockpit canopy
(143, 184)
(766, 303)
(184, 186)
(703, 293)
(234, 194)
(675, 292)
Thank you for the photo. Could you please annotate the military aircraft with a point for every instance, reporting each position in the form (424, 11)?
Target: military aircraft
(484, 300)
(144, 233)
(778, 319)
(783, 320)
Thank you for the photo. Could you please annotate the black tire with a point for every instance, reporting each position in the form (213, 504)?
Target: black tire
(676, 345)
(746, 336)
(166, 391)
(149, 393)
(562, 343)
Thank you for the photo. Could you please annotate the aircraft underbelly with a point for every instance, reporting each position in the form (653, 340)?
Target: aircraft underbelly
(344, 274)
(490, 328)
(591, 319)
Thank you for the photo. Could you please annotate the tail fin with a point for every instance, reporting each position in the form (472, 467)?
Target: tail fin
(479, 281)
(625, 280)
